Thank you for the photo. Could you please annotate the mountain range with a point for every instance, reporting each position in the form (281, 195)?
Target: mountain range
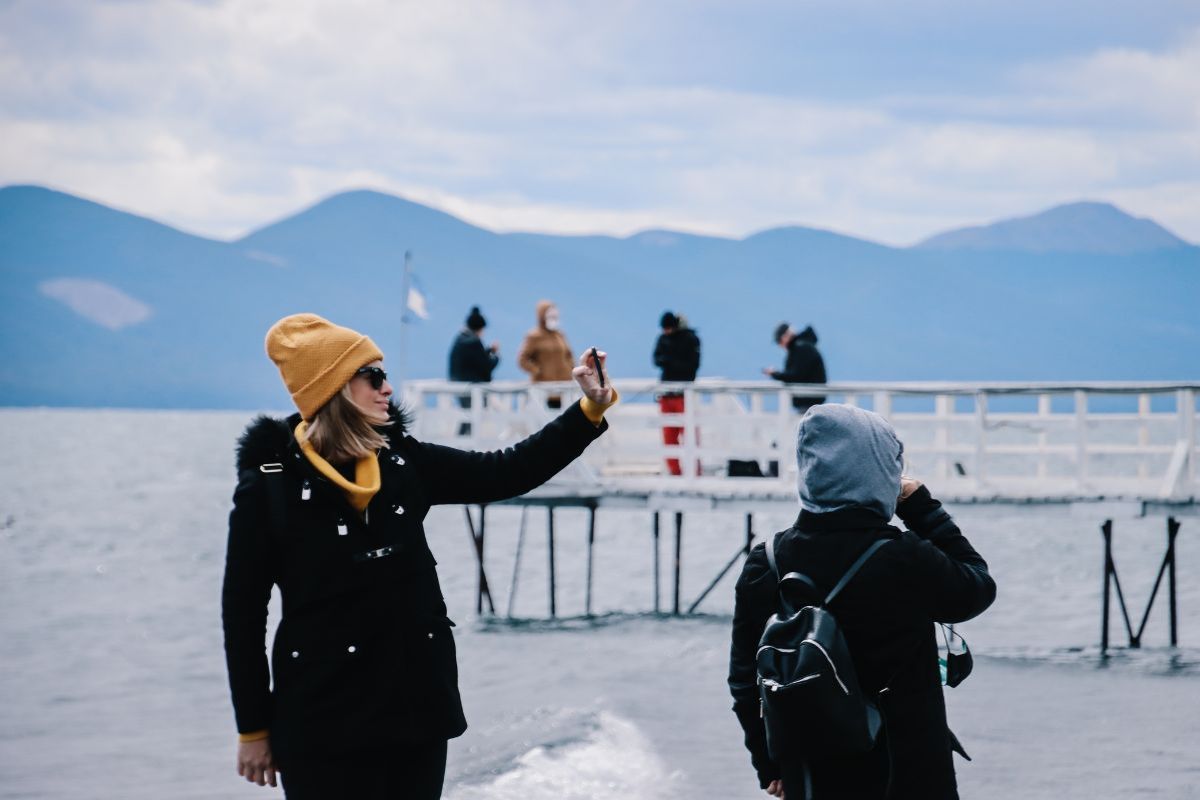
(101, 308)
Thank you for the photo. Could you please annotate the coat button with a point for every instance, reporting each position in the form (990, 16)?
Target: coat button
(399, 509)
(398, 461)
(295, 654)
(431, 636)
(351, 649)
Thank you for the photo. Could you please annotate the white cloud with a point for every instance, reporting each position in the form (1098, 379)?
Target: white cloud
(220, 117)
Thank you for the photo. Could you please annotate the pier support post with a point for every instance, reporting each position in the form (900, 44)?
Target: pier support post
(741, 553)
(550, 548)
(591, 542)
(657, 568)
(481, 586)
(1106, 531)
(1112, 581)
(678, 558)
(1172, 529)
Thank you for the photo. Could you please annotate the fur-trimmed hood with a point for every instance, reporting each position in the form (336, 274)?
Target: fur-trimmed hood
(269, 440)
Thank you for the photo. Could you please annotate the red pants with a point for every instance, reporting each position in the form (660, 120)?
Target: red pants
(673, 404)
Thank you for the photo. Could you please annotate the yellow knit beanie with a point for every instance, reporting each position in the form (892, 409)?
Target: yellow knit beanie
(317, 358)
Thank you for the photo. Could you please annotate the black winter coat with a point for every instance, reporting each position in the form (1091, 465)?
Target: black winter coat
(677, 354)
(803, 365)
(470, 360)
(887, 613)
(364, 655)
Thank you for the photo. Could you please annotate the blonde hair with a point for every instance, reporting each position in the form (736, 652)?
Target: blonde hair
(341, 432)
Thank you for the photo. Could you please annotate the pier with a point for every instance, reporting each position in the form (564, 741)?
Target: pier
(1110, 450)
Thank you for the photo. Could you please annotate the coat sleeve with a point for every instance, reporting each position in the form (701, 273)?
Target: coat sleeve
(662, 353)
(754, 603)
(952, 574)
(463, 476)
(245, 593)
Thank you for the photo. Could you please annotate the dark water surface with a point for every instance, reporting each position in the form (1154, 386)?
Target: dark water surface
(112, 684)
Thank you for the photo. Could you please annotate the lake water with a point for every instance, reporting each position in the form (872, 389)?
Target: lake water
(112, 682)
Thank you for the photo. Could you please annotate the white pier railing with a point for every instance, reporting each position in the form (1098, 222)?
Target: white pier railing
(978, 442)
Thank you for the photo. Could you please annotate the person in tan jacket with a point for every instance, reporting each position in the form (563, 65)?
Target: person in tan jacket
(545, 353)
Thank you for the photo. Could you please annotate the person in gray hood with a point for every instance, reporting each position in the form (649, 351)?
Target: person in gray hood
(851, 485)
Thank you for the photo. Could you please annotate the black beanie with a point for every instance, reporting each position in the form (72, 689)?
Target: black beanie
(780, 330)
(475, 320)
(668, 320)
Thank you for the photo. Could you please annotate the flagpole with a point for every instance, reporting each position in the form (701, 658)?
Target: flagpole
(405, 287)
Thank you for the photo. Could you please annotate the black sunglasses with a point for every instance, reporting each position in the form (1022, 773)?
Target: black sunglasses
(375, 375)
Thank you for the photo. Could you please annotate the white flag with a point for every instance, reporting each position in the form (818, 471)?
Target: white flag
(416, 303)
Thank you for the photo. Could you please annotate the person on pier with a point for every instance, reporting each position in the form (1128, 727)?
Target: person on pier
(803, 363)
(850, 487)
(545, 353)
(361, 695)
(471, 361)
(677, 356)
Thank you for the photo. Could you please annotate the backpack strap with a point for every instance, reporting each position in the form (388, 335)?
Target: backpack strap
(769, 548)
(854, 568)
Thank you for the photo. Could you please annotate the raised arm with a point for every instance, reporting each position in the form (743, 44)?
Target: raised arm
(462, 476)
(952, 574)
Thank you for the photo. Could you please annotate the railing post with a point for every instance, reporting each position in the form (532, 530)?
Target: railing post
(1186, 406)
(981, 409)
(476, 410)
(690, 466)
(943, 412)
(1081, 467)
(883, 405)
(1043, 412)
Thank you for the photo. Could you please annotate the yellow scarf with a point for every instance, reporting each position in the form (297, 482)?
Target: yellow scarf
(366, 472)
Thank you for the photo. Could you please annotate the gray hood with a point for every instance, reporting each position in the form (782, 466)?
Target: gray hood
(848, 458)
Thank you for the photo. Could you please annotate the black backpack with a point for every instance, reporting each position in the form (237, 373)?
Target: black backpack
(812, 704)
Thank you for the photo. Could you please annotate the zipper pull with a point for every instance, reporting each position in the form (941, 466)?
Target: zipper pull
(342, 530)
(762, 710)
(305, 490)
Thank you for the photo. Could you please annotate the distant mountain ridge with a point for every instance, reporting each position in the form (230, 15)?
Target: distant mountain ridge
(1085, 227)
(100, 307)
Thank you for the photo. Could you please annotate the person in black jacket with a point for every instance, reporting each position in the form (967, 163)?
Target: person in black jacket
(470, 361)
(850, 485)
(361, 694)
(802, 365)
(677, 355)
(677, 351)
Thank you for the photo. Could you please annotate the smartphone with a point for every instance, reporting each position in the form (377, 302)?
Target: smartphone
(596, 364)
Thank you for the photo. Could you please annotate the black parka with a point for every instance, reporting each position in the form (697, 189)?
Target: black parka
(803, 365)
(470, 360)
(927, 574)
(677, 355)
(364, 655)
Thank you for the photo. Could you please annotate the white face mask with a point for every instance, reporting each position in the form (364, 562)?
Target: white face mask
(552, 322)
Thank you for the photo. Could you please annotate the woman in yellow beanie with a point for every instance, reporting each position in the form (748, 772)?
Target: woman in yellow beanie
(361, 694)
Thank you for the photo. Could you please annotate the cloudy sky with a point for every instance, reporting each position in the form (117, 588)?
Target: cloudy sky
(889, 120)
